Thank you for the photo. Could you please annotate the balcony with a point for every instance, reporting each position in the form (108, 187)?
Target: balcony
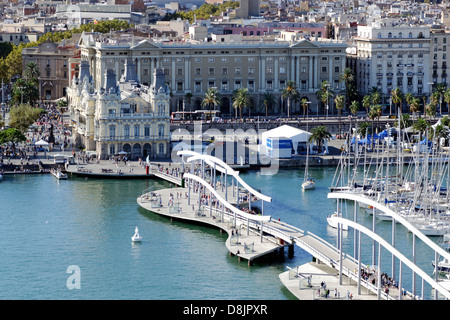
(133, 139)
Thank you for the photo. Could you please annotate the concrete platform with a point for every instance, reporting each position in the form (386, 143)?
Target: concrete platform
(244, 243)
(319, 273)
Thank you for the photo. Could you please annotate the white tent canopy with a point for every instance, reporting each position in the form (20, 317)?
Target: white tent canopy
(294, 134)
(41, 143)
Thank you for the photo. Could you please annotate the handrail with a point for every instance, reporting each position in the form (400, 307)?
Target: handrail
(395, 252)
(394, 215)
(197, 156)
(224, 202)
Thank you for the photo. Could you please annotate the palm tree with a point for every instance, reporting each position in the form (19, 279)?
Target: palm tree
(366, 102)
(32, 71)
(188, 99)
(420, 126)
(440, 89)
(268, 101)
(439, 132)
(289, 92)
(241, 98)
(431, 109)
(324, 93)
(354, 107)
(318, 135)
(304, 103)
(447, 98)
(374, 113)
(211, 99)
(397, 97)
(347, 77)
(363, 128)
(414, 105)
(339, 103)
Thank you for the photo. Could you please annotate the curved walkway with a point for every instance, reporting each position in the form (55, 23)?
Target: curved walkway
(396, 253)
(223, 167)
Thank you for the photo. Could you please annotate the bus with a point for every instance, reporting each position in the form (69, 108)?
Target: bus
(195, 115)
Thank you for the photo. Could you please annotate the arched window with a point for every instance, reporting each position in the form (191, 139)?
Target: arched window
(379, 35)
(390, 35)
(410, 35)
(400, 35)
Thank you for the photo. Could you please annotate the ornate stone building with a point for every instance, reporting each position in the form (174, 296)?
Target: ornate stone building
(120, 116)
(191, 67)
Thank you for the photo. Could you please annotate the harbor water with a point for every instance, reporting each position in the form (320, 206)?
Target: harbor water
(47, 226)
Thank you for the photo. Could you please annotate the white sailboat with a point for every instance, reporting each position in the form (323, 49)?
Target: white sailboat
(332, 222)
(308, 182)
(136, 237)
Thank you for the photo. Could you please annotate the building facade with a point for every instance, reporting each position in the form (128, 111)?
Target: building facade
(120, 116)
(52, 61)
(389, 57)
(194, 66)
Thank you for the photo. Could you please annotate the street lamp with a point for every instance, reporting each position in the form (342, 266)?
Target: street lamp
(327, 86)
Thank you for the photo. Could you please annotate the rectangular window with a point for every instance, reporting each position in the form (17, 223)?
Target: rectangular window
(198, 86)
(126, 131)
(161, 130)
(112, 132)
(147, 131)
(136, 131)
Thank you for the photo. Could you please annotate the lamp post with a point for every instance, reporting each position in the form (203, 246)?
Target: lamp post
(328, 92)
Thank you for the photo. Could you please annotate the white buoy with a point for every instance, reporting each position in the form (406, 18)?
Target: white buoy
(136, 237)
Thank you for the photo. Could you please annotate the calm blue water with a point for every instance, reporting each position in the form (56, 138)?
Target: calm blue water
(47, 225)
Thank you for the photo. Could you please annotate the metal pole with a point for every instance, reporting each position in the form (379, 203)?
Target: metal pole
(414, 261)
(400, 282)
(436, 275)
(359, 261)
(379, 273)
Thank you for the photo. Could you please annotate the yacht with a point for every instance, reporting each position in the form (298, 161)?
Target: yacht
(58, 174)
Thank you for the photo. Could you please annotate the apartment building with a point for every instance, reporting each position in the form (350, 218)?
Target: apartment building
(440, 41)
(194, 66)
(388, 57)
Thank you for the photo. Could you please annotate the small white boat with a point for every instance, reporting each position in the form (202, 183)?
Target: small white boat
(59, 174)
(308, 184)
(332, 222)
(443, 266)
(446, 242)
(136, 237)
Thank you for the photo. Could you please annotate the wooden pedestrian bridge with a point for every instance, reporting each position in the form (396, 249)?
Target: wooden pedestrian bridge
(208, 191)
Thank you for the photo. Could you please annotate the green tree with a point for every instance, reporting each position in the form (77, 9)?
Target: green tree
(348, 78)
(397, 97)
(22, 116)
(339, 103)
(11, 135)
(318, 135)
(447, 98)
(211, 99)
(366, 102)
(420, 126)
(31, 71)
(440, 89)
(304, 103)
(363, 129)
(354, 107)
(241, 99)
(268, 100)
(289, 93)
(324, 93)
